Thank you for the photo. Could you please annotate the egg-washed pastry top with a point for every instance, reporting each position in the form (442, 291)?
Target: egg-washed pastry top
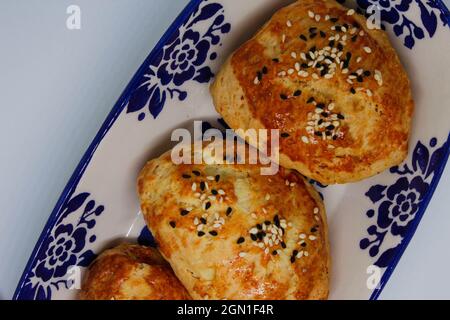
(230, 233)
(334, 88)
(131, 272)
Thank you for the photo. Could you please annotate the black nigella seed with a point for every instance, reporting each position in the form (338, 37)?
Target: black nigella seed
(253, 237)
(285, 135)
(214, 192)
(324, 72)
(334, 20)
(202, 185)
(338, 28)
(203, 220)
(354, 74)
(217, 178)
(303, 37)
(304, 65)
(303, 244)
(267, 223)
(186, 176)
(324, 114)
(346, 64)
(276, 60)
(323, 34)
(197, 173)
(276, 220)
(318, 133)
(283, 245)
(200, 233)
(335, 137)
(240, 240)
(345, 25)
(320, 122)
(328, 133)
(330, 127)
(352, 90)
(313, 229)
(360, 79)
(312, 29)
(297, 93)
(292, 259)
(348, 55)
(283, 96)
(264, 70)
(356, 24)
(260, 236)
(310, 100)
(274, 252)
(259, 75)
(354, 38)
(173, 224)
(184, 212)
(340, 47)
(229, 210)
(313, 49)
(367, 73)
(340, 116)
(259, 226)
(207, 205)
(320, 106)
(312, 35)
(294, 253)
(213, 233)
(331, 43)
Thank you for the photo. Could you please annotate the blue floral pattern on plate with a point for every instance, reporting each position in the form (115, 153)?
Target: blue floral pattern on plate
(401, 14)
(396, 205)
(64, 248)
(183, 58)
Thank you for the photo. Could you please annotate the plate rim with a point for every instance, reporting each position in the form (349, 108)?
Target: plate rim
(119, 106)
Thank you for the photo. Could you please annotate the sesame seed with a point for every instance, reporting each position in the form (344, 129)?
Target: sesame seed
(194, 186)
(312, 238)
(289, 23)
(316, 210)
(317, 17)
(242, 254)
(369, 93)
(311, 14)
(256, 80)
(305, 139)
(253, 231)
(267, 197)
(358, 60)
(221, 192)
(291, 71)
(283, 38)
(350, 12)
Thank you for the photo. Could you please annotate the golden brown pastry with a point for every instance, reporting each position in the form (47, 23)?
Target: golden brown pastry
(335, 89)
(131, 272)
(230, 233)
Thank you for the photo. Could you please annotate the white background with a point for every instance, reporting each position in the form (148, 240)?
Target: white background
(56, 88)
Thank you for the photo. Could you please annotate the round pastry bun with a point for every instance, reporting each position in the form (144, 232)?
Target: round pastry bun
(131, 272)
(334, 88)
(231, 233)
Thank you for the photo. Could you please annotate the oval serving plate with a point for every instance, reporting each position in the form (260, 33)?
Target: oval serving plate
(371, 222)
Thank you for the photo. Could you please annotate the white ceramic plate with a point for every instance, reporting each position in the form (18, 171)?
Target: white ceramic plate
(370, 222)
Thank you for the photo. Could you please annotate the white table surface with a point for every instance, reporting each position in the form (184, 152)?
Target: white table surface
(56, 88)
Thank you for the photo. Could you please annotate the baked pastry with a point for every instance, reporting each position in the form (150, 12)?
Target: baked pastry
(231, 233)
(131, 272)
(335, 89)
